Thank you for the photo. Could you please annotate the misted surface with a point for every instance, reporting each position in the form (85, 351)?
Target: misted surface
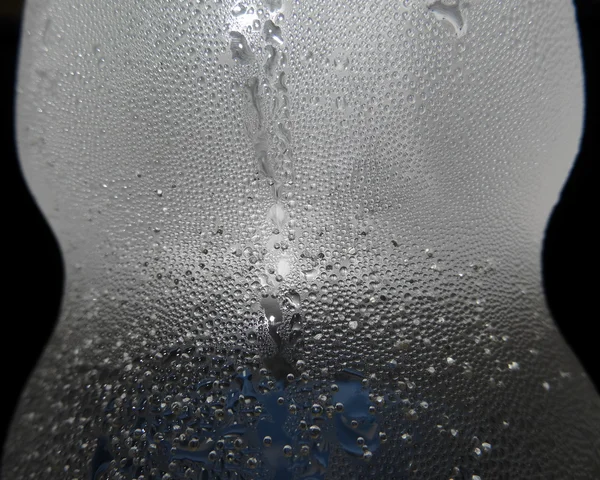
(302, 240)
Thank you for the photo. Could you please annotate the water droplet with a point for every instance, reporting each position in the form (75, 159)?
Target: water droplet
(311, 274)
(451, 14)
(272, 33)
(238, 10)
(272, 310)
(341, 103)
(294, 298)
(240, 50)
(278, 215)
(341, 64)
(546, 386)
(273, 5)
(514, 366)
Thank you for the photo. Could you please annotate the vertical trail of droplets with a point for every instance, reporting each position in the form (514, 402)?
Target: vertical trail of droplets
(269, 130)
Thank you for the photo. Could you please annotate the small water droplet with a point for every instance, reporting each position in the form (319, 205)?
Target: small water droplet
(546, 386)
(514, 366)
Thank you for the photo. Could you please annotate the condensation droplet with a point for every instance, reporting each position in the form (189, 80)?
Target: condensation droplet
(451, 14)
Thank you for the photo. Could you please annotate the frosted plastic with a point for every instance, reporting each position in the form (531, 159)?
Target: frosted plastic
(302, 240)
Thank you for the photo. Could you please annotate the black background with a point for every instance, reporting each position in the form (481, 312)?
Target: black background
(33, 276)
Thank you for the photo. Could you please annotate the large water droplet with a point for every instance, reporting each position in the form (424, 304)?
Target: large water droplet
(293, 297)
(273, 33)
(451, 14)
(273, 5)
(239, 9)
(240, 50)
(273, 312)
(271, 61)
(278, 215)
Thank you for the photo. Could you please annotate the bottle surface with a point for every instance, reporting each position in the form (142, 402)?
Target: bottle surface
(302, 240)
